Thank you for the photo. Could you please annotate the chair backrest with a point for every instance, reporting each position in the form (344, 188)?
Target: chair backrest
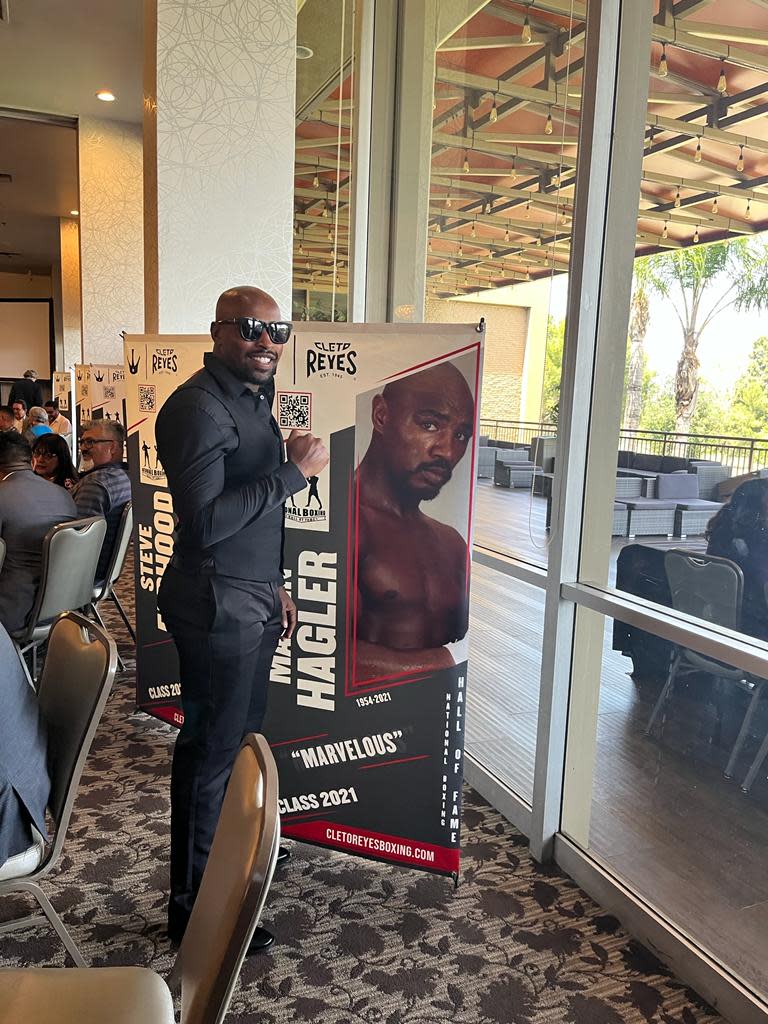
(70, 555)
(117, 556)
(234, 887)
(677, 485)
(705, 586)
(74, 685)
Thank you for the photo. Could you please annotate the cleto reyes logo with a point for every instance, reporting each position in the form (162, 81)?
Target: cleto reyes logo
(331, 358)
(164, 360)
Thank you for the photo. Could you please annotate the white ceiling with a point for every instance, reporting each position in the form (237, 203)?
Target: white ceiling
(56, 54)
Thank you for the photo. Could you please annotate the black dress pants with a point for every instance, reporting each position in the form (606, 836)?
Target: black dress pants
(226, 632)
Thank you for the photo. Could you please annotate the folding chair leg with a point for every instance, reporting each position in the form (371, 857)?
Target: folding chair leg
(97, 615)
(744, 731)
(52, 916)
(665, 694)
(756, 765)
(123, 616)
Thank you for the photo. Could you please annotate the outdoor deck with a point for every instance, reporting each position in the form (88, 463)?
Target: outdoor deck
(663, 816)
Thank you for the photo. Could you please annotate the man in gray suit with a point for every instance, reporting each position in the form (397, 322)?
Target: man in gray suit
(24, 782)
(29, 507)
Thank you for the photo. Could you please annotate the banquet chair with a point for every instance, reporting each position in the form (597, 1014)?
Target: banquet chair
(227, 909)
(105, 589)
(74, 686)
(70, 556)
(710, 588)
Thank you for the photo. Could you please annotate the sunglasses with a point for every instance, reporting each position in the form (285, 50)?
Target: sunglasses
(279, 331)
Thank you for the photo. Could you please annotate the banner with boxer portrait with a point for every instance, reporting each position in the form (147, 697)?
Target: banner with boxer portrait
(366, 701)
(63, 391)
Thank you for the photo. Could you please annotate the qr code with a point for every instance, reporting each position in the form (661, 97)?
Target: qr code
(108, 391)
(294, 410)
(147, 397)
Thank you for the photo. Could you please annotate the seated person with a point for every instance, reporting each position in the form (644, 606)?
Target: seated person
(24, 783)
(52, 461)
(19, 410)
(37, 424)
(59, 424)
(6, 417)
(104, 488)
(29, 507)
(739, 531)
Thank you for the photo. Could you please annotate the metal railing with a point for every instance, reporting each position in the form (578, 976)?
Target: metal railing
(742, 454)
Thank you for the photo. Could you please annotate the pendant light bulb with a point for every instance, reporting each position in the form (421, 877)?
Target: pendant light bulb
(748, 211)
(329, 236)
(472, 230)
(315, 182)
(677, 200)
(715, 207)
(461, 250)
(526, 35)
(548, 127)
(528, 210)
(697, 154)
(506, 235)
(448, 201)
(513, 170)
(722, 82)
(740, 161)
(466, 163)
(429, 245)
(665, 233)
(663, 66)
(438, 227)
(696, 235)
(538, 239)
(493, 115)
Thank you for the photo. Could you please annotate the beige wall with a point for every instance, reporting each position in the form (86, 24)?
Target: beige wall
(24, 286)
(69, 340)
(505, 344)
(111, 236)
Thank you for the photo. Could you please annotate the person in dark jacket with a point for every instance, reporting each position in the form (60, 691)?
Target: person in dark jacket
(24, 781)
(739, 531)
(28, 389)
(221, 596)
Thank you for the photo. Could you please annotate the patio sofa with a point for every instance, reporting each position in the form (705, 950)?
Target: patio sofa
(676, 510)
(513, 468)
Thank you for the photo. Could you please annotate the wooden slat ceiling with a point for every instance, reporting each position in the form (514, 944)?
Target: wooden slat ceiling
(505, 148)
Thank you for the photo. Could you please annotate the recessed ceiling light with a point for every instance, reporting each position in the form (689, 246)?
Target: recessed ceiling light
(105, 95)
(304, 53)
(74, 213)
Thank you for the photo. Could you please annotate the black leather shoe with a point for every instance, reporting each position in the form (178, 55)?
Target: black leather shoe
(262, 939)
(283, 855)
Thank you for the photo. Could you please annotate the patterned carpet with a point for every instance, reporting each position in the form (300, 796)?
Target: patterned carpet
(358, 942)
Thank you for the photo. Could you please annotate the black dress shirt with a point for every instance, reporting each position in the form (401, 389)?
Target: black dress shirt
(222, 453)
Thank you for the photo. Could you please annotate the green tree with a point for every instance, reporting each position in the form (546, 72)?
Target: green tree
(639, 317)
(553, 368)
(684, 276)
(749, 408)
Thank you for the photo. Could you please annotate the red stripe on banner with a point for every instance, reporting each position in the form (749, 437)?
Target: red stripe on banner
(395, 849)
(301, 739)
(165, 712)
(429, 362)
(400, 760)
(158, 643)
(399, 679)
(137, 424)
(357, 551)
(348, 609)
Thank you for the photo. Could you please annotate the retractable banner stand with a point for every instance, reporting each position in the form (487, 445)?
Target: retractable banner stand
(366, 702)
(63, 389)
(82, 396)
(107, 392)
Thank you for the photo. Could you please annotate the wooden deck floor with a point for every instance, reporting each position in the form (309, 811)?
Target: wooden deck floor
(663, 816)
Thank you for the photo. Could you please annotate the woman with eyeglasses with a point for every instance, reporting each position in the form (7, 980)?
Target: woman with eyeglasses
(52, 461)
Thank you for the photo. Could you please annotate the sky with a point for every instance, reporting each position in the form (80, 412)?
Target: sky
(724, 348)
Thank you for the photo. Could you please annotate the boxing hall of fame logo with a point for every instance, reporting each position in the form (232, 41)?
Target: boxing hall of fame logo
(151, 467)
(311, 511)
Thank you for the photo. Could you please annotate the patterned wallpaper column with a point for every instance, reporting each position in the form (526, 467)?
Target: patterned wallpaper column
(225, 143)
(111, 236)
(69, 293)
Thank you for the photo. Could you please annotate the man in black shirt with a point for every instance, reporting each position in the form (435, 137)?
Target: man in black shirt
(222, 597)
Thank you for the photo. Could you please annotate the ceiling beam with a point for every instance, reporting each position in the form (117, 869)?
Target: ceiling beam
(491, 42)
(674, 124)
(676, 36)
(708, 186)
(757, 37)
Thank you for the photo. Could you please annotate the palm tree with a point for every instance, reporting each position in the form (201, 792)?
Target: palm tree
(639, 315)
(684, 276)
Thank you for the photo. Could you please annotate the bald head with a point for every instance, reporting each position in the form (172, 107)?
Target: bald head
(243, 300)
(252, 361)
(422, 425)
